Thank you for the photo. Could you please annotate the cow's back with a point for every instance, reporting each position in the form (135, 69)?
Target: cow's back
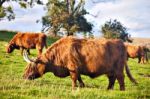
(29, 40)
(100, 56)
(90, 56)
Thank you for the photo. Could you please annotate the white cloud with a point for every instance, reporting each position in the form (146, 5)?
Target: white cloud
(134, 14)
(25, 19)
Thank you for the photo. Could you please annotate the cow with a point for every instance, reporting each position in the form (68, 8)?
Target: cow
(72, 57)
(137, 51)
(27, 41)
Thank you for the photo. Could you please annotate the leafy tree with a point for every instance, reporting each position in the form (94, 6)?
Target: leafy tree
(114, 29)
(7, 12)
(67, 14)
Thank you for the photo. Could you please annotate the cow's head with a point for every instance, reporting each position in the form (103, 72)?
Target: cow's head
(34, 69)
(10, 48)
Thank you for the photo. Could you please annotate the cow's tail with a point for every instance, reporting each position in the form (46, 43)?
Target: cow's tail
(129, 74)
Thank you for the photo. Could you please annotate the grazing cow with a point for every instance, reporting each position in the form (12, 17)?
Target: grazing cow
(135, 51)
(91, 57)
(27, 41)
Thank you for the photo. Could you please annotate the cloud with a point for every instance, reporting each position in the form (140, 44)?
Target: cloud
(134, 14)
(25, 19)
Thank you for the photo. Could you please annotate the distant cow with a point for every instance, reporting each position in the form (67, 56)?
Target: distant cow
(91, 57)
(136, 51)
(27, 41)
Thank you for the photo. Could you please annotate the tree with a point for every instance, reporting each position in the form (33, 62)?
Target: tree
(7, 11)
(67, 14)
(114, 29)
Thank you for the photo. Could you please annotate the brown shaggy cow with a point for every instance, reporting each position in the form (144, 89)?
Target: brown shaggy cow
(27, 41)
(71, 56)
(136, 51)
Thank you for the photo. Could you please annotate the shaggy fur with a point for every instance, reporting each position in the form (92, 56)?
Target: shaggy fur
(27, 41)
(91, 57)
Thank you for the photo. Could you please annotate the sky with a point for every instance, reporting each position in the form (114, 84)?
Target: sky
(133, 14)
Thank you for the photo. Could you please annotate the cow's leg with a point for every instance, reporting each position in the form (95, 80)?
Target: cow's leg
(21, 49)
(74, 78)
(112, 79)
(120, 78)
(28, 50)
(139, 59)
(146, 57)
(39, 49)
(45, 44)
(80, 81)
(142, 60)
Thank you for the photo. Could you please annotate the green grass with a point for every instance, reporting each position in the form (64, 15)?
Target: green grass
(13, 86)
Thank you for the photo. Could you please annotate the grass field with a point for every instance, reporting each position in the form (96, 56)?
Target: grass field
(13, 86)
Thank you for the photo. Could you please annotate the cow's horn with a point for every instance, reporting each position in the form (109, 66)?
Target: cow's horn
(25, 56)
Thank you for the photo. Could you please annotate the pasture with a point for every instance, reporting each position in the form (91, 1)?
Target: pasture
(13, 86)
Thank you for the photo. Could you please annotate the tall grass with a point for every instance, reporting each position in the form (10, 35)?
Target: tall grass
(13, 86)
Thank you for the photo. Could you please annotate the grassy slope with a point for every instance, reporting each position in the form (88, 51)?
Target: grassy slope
(50, 87)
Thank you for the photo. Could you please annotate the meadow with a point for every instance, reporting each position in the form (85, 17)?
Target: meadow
(13, 86)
